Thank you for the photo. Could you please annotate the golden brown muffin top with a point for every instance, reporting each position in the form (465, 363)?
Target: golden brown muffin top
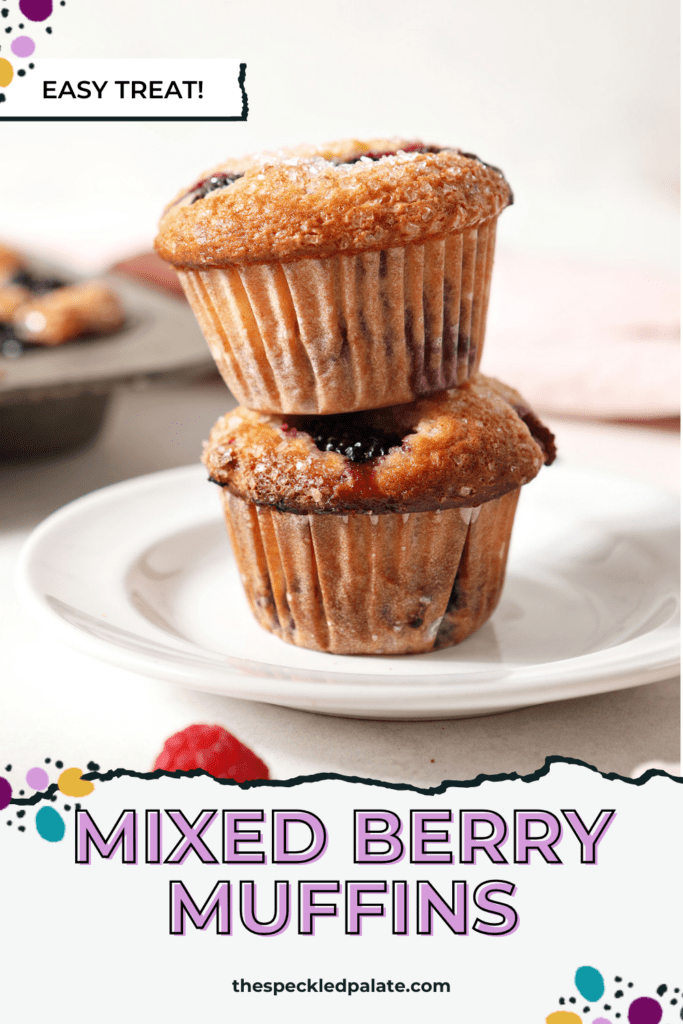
(455, 449)
(344, 197)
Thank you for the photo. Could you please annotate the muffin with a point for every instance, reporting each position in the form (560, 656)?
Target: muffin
(347, 277)
(66, 313)
(380, 532)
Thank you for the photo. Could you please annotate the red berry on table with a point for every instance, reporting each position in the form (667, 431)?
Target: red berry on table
(215, 750)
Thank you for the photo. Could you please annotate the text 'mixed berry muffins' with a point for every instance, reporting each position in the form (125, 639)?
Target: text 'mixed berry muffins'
(381, 532)
(340, 278)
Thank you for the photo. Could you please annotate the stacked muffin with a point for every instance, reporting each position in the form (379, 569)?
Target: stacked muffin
(370, 478)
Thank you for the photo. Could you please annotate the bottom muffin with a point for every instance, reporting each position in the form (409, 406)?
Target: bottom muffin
(392, 541)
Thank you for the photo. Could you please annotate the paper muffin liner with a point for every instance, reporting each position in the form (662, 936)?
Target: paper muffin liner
(372, 584)
(348, 332)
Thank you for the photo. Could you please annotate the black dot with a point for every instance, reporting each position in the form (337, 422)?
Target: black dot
(21, 792)
(2, 97)
(607, 1006)
(59, 764)
(571, 999)
(8, 767)
(22, 828)
(630, 984)
(20, 814)
(21, 72)
(21, 26)
(78, 807)
(586, 1009)
(49, 31)
(93, 766)
(673, 1002)
(561, 1000)
(53, 798)
(9, 822)
(5, 12)
(8, 29)
(62, 3)
(47, 760)
(618, 994)
(617, 979)
(31, 66)
(67, 807)
(617, 1015)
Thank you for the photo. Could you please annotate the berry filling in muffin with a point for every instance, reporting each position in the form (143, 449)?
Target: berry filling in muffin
(202, 188)
(350, 439)
(36, 283)
(412, 147)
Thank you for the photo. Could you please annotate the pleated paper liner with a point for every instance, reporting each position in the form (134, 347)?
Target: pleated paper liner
(348, 332)
(372, 584)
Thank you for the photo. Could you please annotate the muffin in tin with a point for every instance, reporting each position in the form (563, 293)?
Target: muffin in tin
(381, 532)
(339, 278)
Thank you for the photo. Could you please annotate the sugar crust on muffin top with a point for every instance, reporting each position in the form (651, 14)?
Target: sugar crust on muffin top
(316, 201)
(455, 449)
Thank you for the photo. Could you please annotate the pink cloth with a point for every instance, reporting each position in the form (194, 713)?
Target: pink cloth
(581, 340)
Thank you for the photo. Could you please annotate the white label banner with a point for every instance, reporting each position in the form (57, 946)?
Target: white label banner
(553, 902)
(150, 89)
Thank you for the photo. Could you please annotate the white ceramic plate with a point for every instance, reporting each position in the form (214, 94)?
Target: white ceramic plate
(141, 574)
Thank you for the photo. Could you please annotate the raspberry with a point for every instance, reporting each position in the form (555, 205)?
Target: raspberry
(215, 750)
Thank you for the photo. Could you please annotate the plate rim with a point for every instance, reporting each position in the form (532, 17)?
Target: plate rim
(523, 686)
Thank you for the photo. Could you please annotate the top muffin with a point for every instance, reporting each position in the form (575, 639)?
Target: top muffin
(345, 197)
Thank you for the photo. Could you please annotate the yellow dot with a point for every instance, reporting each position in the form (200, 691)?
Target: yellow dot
(6, 72)
(563, 1017)
(70, 783)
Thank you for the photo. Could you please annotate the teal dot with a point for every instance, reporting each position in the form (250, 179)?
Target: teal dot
(590, 983)
(50, 824)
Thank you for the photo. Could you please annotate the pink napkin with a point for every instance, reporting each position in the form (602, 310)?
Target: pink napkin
(581, 340)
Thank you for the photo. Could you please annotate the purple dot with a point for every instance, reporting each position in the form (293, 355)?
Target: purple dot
(23, 46)
(5, 793)
(36, 10)
(37, 778)
(601, 1020)
(645, 1011)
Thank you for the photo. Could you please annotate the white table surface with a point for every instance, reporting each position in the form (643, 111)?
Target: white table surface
(58, 703)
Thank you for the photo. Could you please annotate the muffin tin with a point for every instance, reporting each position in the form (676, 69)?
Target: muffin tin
(55, 399)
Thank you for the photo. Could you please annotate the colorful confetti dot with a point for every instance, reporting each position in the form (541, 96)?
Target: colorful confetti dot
(590, 983)
(5, 793)
(645, 1011)
(50, 824)
(36, 10)
(601, 1020)
(6, 72)
(71, 784)
(37, 778)
(563, 1017)
(23, 46)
